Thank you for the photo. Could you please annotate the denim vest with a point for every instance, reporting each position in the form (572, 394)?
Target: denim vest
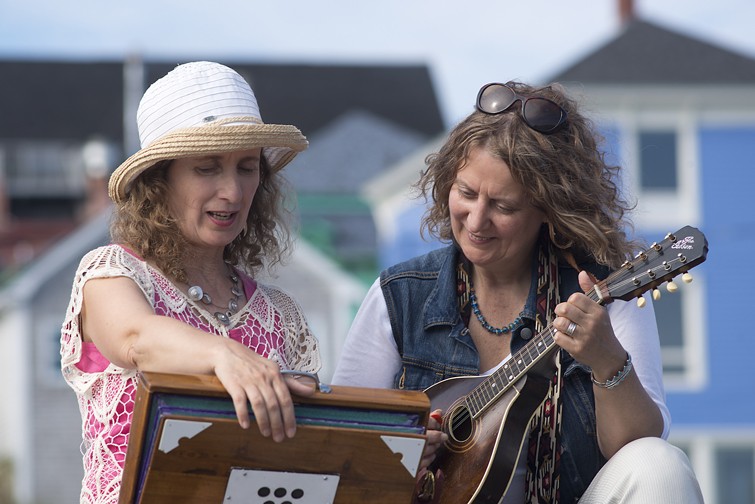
(435, 344)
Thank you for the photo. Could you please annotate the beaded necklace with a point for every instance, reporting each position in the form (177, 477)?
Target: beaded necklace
(494, 330)
(196, 293)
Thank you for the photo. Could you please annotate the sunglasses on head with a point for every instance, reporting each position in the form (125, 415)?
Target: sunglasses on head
(540, 114)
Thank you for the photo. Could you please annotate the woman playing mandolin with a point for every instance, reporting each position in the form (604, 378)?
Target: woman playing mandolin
(533, 218)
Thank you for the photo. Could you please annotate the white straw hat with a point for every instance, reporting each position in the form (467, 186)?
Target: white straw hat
(202, 108)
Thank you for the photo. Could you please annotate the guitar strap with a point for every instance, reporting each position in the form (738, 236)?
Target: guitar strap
(544, 443)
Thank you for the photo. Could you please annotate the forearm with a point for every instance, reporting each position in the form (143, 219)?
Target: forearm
(167, 345)
(625, 413)
(118, 320)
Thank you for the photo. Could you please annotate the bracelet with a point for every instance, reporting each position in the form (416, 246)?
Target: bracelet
(618, 378)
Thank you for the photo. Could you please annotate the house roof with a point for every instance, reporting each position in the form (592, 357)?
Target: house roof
(60, 100)
(328, 178)
(311, 96)
(77, 100)
(646, 53)
(349, 151)
(397, 181)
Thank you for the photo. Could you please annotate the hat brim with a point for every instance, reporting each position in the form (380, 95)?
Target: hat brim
(280, 144)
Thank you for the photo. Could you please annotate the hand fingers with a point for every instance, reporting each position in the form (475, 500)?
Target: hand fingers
(435, 440)
(263, 388)
(284, 407)
(303, 385)
(426, 460)
(435, 420)
(240, 405)
(272, 405)
(586, 281)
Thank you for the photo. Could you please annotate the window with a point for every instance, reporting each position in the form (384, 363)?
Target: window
(668, 314)
(660, 154)
(54, 168)
(658, 163)
(724, 462)
(735, 468)
(680, 317)
(50, 168)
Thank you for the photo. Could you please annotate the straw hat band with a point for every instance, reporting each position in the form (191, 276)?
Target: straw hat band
(279, 142)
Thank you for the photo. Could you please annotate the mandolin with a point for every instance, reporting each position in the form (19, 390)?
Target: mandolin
(487, 417)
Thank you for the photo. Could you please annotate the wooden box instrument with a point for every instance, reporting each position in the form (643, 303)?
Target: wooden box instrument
(351, 445)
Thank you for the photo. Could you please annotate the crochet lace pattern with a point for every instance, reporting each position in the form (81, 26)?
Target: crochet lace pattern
(271, 323)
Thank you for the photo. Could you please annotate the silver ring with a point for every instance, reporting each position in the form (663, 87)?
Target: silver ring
(572, 327)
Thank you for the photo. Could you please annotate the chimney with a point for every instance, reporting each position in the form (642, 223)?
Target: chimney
(626, 12)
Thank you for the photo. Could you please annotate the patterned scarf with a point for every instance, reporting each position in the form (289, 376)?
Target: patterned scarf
(543, 447)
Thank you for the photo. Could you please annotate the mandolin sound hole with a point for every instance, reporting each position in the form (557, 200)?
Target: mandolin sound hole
(460, 425)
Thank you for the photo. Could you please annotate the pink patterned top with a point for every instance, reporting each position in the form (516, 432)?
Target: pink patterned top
(271, 323)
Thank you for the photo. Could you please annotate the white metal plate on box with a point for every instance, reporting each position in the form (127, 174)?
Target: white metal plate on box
(409, 448)
(251, 486)
(176, 430)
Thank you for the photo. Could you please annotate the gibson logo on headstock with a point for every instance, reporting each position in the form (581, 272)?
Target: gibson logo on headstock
(685, 243)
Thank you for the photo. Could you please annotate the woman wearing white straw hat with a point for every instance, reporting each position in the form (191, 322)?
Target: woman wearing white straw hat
(198, 210)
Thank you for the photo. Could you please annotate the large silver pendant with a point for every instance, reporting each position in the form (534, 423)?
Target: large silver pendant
(196, 294)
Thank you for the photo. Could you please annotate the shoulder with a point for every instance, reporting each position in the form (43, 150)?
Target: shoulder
(273, 291)
(422, 266)
(280, 299)
(111, 259)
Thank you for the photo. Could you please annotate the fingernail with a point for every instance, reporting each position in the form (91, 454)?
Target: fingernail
(436, 416)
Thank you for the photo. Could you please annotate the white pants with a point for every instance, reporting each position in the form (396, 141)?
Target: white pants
(645, 471)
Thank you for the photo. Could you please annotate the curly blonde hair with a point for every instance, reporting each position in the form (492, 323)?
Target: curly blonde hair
(564, 173)
(144, 223)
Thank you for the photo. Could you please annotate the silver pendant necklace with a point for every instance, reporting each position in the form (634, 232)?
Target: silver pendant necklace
(196, 293)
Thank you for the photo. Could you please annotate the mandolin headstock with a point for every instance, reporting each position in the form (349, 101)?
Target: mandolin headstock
(675, 255)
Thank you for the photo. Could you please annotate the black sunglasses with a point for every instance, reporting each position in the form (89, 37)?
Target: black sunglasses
(540, 114)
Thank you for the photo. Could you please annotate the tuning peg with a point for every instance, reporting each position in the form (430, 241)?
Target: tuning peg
(686, 278)
(671, 286)
(641, 302)
(656, 294)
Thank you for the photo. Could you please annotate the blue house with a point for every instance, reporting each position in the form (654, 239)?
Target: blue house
(679, 115)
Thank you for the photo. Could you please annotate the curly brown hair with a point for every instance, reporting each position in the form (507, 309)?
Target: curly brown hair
(564, 173)
(143, 223)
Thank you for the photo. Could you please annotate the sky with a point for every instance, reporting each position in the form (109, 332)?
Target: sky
(464, 43)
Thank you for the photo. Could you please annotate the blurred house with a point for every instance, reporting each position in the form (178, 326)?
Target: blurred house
(65, 126)
(679, 114)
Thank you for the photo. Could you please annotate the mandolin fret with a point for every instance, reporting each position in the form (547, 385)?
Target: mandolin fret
(500, 380)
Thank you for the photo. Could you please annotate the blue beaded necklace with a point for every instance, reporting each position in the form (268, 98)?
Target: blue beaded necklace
(494, 330)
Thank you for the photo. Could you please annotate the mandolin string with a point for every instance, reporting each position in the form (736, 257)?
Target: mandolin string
(479, 391)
